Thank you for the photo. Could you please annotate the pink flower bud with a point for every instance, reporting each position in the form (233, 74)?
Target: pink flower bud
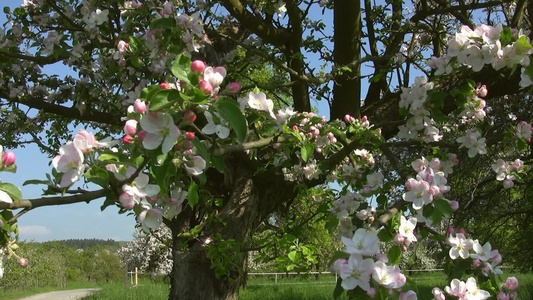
(364, 118)
(276, 145)
(142, 135)
(187, 145)
(206, 87)
(482, 91)
(508, 183)
(126, 200)
(189, 135)
(450, 230)
(127, 139)
(518, 164)
(476, 263)
(164, 86)
(371, 292)
(461, 230)
(404, 248)
(234, 87)
(348, 118)
(511, 283)
(139, 106)
(23, 262)
(294, 127)
(454, 205)
(130, 128)
(198, 67)
(189, 116)
(502, 296)
(8, 158)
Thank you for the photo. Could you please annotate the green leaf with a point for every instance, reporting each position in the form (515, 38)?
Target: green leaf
(292, 255)
(443, 206)
(385, 235)
(109, 200)
(394, 255)
(12, 190)
(161, 158)
(382, 200)
(180, 66)
(167, 23)
(192, 195)
(109, 157)
(134, 43)
(164, 98)
(337, 292)
(35, 181)
(201, 149)
(97, 175)
(148, 92)
(230, 111)
(506, 36)
(218, 163)
(12, 168)
(522, 45)
(307, 151)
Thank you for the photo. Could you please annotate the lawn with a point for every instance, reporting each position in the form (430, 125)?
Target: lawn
(297, 288)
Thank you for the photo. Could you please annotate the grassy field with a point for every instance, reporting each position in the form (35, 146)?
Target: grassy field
(299, 288)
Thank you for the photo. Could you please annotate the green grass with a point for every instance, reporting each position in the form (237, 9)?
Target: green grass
(298, 288)
(124, 291)
(17, 294)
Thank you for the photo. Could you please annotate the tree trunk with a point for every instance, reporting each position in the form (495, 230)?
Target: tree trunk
(251, 199)
(193, 278)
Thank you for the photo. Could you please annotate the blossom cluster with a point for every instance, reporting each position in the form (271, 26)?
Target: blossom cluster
(507, 171)
(366, 262)
(482, 46)
(468, 290)
(430, 182)
(413, 99)
(484, 259)
(71, 157)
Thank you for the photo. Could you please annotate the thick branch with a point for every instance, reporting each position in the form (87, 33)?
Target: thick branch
(265, 30)
(347, 45)
(60, 200)
(67, 112)
(439, 11)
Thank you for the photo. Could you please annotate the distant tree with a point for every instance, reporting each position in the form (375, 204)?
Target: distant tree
(149, 252)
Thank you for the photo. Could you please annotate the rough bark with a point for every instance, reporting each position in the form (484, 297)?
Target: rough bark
(252, 199)
(347, 53)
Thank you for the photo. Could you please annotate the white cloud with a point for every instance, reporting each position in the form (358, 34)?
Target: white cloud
(34, 230)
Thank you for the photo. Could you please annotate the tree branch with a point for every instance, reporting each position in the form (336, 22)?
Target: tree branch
(59, 200)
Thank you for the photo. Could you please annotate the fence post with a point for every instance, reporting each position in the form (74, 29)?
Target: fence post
(276, 276)
(136, 281)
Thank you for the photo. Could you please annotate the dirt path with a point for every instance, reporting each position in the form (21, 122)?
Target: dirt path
(63, 295)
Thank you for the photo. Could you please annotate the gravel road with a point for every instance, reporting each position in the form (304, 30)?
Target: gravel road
(63, 295)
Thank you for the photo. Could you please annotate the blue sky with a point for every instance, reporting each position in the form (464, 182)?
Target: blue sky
(78, 221)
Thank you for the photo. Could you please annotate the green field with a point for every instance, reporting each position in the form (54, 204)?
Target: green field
(265, 288)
